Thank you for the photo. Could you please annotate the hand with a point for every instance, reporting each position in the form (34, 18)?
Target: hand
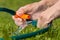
(29, 9)
(18, 21)
(35, 10)
(48, 15)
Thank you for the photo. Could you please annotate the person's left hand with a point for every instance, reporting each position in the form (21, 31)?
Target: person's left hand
(48, 15)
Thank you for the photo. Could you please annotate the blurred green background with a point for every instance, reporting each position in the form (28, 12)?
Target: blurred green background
(7, 25)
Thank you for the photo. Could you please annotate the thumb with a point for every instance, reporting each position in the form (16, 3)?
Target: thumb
(42, 23)
(24, 9)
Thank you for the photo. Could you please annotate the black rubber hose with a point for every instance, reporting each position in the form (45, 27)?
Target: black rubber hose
(8, 10)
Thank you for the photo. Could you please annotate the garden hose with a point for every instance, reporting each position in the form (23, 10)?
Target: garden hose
(24, 35)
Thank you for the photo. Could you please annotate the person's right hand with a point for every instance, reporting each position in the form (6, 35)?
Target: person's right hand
(33, 9)
(29, 9)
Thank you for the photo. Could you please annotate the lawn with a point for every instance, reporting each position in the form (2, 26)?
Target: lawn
(7, 25)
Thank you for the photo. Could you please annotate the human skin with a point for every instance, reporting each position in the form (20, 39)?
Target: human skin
(48, 15)
(42, 11)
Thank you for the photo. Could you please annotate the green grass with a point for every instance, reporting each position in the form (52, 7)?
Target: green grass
(7, 25)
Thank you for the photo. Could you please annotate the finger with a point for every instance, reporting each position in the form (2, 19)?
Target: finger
(16, 19)
(23, 9)
(42, 24)
(20, 11)
(13, 17)
(18, 23)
